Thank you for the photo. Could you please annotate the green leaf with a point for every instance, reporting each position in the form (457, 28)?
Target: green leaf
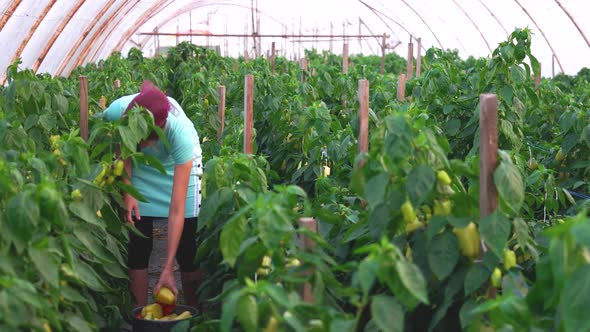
(211, 204)
(510, 185)
(47, 121)
(367, 273)
(379, 220)
(228, 310)
(89, 276)
(83, 211)
(78, 323)
(575, 300)
(182, 326)
(131, 191)
(420, 182)
(273, 225)
(377, 184)
(71, 294)
(443, 254)
(413, 280)
(506, 93)
(475, 278)
(128, 139)
(46, 265)
(247, 313)
(279, 295)
(92, 243)
(22, 216)
(387, 313)
(586, 135)
(495, 230)
(231, 237)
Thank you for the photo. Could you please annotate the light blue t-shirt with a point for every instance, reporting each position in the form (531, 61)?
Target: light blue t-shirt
(184, 147)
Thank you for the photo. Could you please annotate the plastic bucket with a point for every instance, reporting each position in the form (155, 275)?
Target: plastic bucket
(144, 325)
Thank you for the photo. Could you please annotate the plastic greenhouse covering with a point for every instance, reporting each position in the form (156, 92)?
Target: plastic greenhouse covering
(55, 36)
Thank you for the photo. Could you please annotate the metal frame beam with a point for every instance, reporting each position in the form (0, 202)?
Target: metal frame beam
(109, 24)
(83, 36)
(542, 33)
(29, 35)
(8, 14)
(56, 34)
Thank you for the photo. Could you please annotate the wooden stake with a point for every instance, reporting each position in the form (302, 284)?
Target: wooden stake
(303, 64)
(221, 112)
(418, 57)
(488, 157)
(401, 87)
(383, 46)
(246, 56)
(345, 58)
(236, 65)
(117, 84)
(308, 244)
(248, 113)
(83, 107)
(488, 154)
(272, 59)
(410, 65)
(363, 117)
(538, 78)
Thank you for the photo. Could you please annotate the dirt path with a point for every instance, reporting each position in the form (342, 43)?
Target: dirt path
(157, 262)
(159, 256)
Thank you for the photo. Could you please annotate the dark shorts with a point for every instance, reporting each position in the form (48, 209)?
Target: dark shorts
(139, 249)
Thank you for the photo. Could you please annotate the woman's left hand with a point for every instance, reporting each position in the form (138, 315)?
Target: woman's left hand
(166, 279)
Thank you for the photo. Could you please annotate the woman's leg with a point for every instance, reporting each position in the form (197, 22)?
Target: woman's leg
(190, 274)
(139, 250)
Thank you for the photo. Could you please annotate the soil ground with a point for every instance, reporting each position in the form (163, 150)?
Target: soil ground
(157, 262)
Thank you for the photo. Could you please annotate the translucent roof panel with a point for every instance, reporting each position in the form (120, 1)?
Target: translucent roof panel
(55, 36)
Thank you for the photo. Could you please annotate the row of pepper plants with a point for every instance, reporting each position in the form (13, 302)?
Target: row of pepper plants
(396, 241)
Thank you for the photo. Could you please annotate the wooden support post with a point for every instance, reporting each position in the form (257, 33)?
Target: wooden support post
(103, 102)
(418, 57)
(221, 111)
(488, 158)
(363, 117)
(84, 107)
(308, 244)
(488, 154)
(246, 56)
(538, 79)
(236, 65)
(303, 64)
(345, 58)
(410, 66)
(117, 84)
(383, 46)
(272, 57)
(248, 113)
(401, 87)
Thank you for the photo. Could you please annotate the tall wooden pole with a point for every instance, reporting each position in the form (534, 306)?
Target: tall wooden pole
(221, 111)
(401, 87)
(418, 57)
(83, 107)
(410, 66)
(272, 59)
(363, 117)
(345, 58)
(383, 46)
(488, 153)
(308, 244)
(248, 113)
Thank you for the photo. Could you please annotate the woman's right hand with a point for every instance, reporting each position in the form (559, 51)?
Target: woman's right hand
(132, 206)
